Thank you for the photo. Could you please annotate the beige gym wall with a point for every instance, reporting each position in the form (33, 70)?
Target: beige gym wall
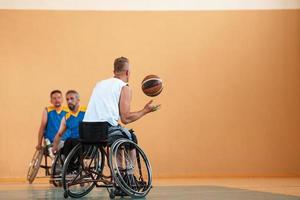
(231, 102)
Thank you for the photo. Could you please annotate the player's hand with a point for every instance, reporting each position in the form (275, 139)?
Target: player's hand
(156, 107)
(149, 107)
(38, 147)
(54, 148)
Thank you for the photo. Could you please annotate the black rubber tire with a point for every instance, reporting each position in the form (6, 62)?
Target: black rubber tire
(140, 187)
(78, 151)
(66, 194)
(112, 193)
(57, 162)
(34, 165)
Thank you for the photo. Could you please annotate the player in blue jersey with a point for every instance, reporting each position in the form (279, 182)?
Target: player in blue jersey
(70, 123)
(51, 118)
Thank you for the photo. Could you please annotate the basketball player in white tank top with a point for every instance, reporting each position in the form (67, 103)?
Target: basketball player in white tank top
(111, 98)
(110, 101)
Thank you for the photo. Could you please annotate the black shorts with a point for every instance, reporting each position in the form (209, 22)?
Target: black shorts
(69, 144)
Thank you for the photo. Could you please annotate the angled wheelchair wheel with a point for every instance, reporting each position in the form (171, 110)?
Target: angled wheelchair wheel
(56, 169)
(80, 170)
(35, 165)
(130, 168)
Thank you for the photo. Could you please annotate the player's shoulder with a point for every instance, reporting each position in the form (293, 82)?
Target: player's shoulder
(83, 108)
(65, 109)
(50, 108)
(126, 90)
(68, 115)
(126, 87)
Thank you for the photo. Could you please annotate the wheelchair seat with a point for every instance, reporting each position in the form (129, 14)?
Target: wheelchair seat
(93, 133)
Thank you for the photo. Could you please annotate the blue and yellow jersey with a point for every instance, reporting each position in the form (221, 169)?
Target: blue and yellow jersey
(73, 120)
(53, 122)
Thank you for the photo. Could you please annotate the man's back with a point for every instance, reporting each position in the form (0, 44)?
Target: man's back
(104, 102)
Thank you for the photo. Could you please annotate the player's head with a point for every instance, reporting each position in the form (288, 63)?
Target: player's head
(56, 98)
(122, 68)
(73, 98)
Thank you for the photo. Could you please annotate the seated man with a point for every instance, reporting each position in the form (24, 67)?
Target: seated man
(70, 123)
(51, 118)
(110, 101)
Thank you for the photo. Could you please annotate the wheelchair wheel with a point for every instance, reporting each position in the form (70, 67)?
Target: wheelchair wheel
(56, 170)
(80, 170)
(35, 165)
(130, 168)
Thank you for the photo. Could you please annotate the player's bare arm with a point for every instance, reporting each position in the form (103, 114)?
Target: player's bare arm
(41, 130)
(126, 115)
(59, 134)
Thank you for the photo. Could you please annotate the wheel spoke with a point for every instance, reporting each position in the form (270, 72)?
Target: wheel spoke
(82, 181)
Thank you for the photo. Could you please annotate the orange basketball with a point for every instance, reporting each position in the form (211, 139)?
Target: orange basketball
(152, 85)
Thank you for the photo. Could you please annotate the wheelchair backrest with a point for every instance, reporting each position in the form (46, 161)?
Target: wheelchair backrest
(93, 132)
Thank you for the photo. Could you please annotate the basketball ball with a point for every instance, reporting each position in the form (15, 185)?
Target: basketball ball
(152, 85)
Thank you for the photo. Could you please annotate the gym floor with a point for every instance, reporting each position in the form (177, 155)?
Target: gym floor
(175, 189)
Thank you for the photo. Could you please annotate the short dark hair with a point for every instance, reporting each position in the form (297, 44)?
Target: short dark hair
(120, 63)
(55, 91)
(73, 92)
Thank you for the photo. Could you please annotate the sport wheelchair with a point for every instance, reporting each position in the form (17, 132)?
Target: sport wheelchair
(122, 167)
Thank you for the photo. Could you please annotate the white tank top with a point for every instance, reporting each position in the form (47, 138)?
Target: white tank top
(104, 102)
